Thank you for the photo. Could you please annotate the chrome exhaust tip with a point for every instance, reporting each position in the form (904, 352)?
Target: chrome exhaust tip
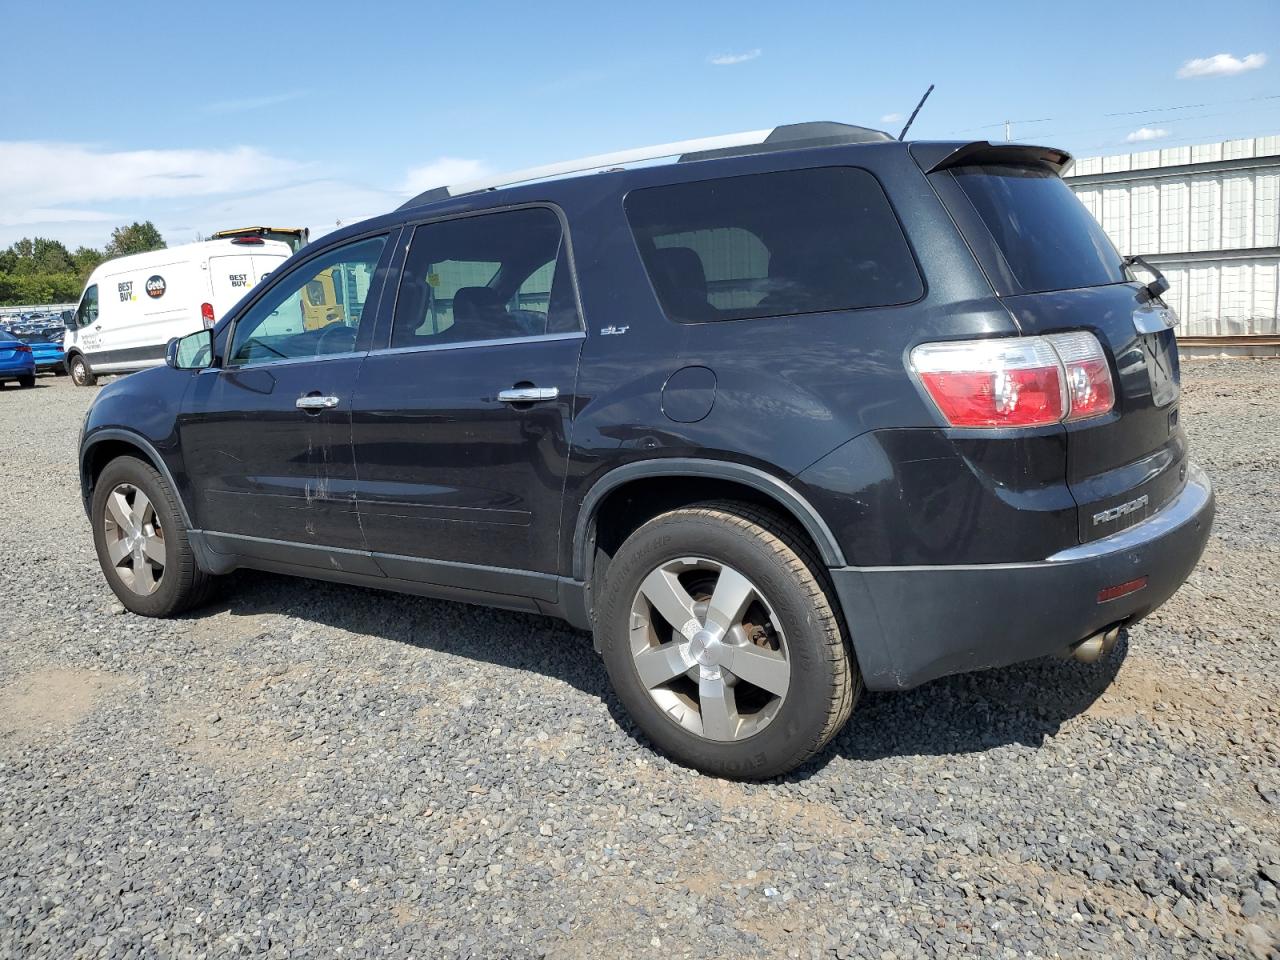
(1089, 650)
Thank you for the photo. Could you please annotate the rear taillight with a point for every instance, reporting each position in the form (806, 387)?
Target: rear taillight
(1089, 389)
(206, 315)
(248, 241)
(22, 348)
(1016, 381)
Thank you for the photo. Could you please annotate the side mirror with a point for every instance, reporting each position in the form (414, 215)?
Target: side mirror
(192, 352)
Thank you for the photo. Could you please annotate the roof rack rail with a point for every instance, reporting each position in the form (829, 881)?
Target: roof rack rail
(786, 137)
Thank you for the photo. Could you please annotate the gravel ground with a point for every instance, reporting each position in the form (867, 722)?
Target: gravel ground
(307, 770)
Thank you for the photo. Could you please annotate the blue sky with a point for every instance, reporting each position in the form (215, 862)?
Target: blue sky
(208, 116)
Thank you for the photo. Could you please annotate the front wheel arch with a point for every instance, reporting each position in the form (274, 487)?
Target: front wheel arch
(103, 446)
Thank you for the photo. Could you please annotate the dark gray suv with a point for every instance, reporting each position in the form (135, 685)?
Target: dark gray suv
(801, 412)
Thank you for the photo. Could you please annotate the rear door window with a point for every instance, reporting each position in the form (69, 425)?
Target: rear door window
(1045, 234)
(773, 244)
(498, 276)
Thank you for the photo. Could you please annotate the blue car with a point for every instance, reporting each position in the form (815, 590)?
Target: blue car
(47, 352)
(16, 361)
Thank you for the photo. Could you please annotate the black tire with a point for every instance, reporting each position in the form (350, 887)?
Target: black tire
(28, 381)
(182, 584)
(60, 370)
(81, 374)
(824, 681)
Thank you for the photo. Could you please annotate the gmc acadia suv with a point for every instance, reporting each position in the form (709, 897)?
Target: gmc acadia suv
(798, 413)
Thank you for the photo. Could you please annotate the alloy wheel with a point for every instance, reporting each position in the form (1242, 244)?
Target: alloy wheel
(708, 649)
(134, 538)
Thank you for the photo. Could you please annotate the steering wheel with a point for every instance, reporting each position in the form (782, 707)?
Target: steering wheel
(336, 338)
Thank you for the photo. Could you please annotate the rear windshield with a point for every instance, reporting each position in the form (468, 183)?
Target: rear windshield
(772, 244)
(1046, 235)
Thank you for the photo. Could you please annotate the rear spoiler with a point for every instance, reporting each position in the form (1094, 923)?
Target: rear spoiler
(933, 157)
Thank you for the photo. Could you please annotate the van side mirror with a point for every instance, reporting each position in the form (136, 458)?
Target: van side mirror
(192, 352)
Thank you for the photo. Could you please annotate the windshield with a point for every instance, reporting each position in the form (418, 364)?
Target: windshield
(1046, 235)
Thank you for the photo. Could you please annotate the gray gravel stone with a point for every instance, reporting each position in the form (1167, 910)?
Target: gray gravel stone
(390, 777)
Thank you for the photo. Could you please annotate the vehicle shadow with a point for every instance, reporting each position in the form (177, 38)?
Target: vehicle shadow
(1021, 704)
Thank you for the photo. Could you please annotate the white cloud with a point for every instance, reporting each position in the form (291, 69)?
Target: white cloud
(892, 118)
(35, 174)
(1146, 133)
(441, 173)
(729, 59)
(1221, 65)
(253, 103)
(76, 192)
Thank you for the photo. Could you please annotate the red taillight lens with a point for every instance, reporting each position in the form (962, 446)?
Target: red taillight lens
(22, 348)
(1007, 382)
(206, 315)
(248, 241)
(1016, 381)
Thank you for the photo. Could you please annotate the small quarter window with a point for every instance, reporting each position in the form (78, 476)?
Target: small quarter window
(772, 244)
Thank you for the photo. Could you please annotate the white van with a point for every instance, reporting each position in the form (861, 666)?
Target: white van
(132, 306)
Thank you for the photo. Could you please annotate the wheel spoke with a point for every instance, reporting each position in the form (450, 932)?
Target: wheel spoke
(142, 509)
(670, 599)
(729, 601)
(762, 668)
(117, 550)
(118, 508)
(719, 709)
(153, 547)
(144, 575)
(659, 665)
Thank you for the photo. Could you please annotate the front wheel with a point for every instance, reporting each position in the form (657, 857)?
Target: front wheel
(81, 375)
(721, 641)
(142, 543)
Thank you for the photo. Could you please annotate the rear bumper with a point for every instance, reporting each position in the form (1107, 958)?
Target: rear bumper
(913, 624)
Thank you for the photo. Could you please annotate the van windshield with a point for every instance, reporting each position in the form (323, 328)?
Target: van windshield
(1048, 238)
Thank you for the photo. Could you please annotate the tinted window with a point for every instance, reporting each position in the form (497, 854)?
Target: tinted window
(313, 310)
(493, 277)
(772, 244)
(1047, 237)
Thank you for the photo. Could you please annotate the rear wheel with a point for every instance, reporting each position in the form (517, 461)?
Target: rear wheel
(28, 381)
(721, 641)
(142, 542)
(81, 375)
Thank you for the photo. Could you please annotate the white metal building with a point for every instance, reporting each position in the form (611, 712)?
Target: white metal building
(1209, 217)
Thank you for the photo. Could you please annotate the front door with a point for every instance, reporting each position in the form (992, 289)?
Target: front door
(267, 435)
(462, 421)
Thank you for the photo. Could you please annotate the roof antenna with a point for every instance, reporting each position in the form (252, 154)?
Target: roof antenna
(912, 119)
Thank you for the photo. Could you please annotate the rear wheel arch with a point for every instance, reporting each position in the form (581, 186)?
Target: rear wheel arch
(625, 498)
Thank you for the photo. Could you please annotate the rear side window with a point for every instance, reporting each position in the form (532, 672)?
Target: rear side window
(498, 276)
(772, 244)
(1047, 237)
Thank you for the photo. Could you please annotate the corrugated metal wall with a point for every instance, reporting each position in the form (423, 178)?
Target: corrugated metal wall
(1208, 216)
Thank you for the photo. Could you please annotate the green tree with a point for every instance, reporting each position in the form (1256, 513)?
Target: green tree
(85, 259)
(50, 256)
(135, 238)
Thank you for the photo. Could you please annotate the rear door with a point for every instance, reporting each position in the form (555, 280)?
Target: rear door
(1057, 270)
(463, 418)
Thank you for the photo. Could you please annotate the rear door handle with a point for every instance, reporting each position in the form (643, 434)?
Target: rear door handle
(316, 403)
(528, 394)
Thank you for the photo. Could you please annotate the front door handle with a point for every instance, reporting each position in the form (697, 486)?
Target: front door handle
(528, 394)
(316, 403)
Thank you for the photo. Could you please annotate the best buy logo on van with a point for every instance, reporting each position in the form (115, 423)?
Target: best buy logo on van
(155, 287)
